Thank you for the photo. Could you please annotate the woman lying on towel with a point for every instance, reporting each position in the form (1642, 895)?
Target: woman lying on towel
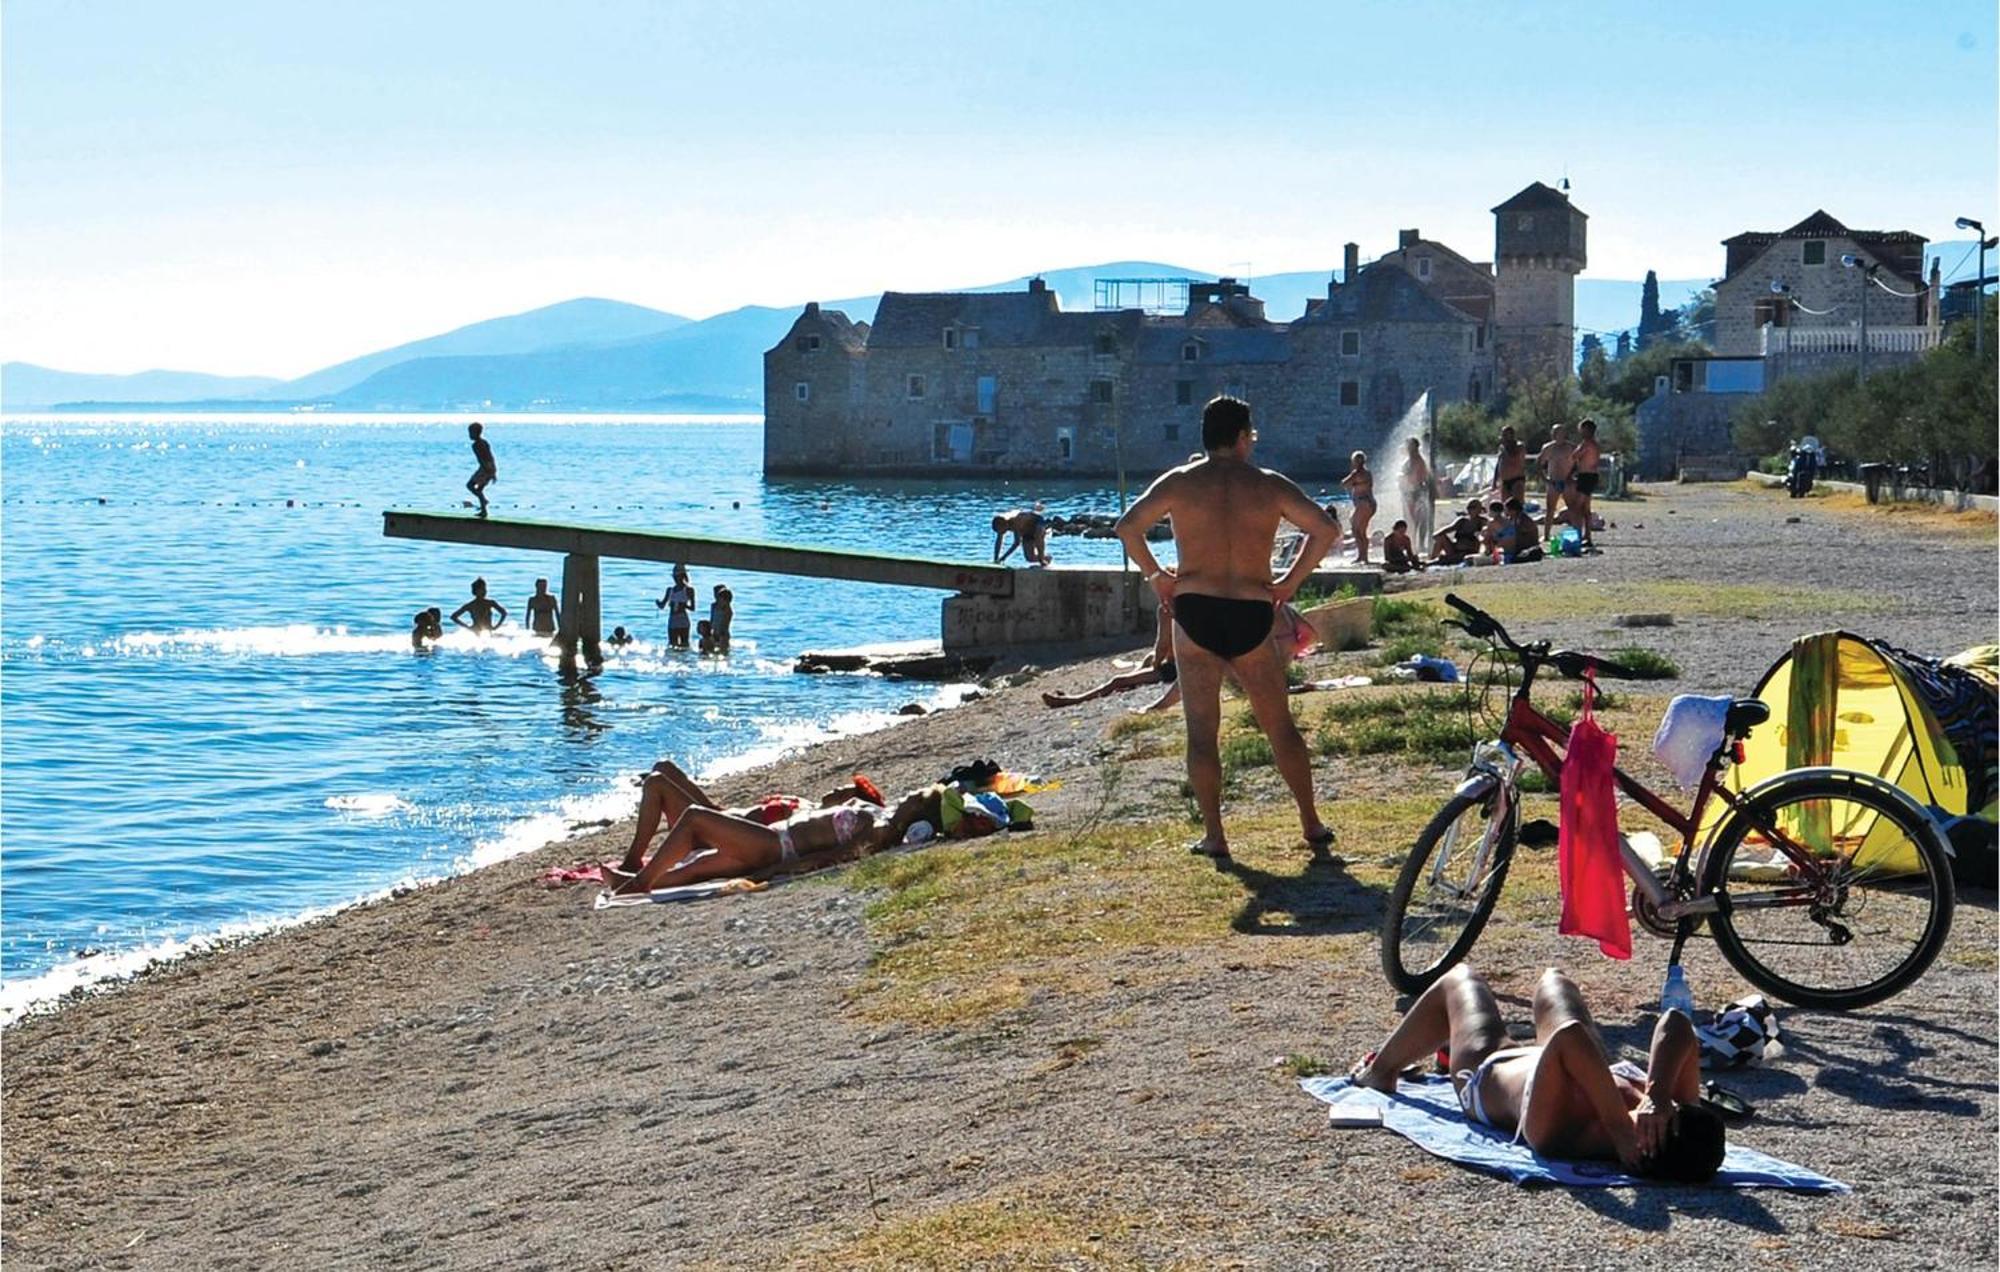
(667, 792)
(1560, 1094)
(707, 843)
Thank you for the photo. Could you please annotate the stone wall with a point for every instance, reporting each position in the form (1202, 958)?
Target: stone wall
(1534, 315)
(1696, 423)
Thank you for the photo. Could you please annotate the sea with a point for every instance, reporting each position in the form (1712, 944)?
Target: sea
(212, 722)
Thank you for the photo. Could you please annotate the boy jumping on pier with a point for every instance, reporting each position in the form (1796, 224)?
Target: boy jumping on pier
(482, 451)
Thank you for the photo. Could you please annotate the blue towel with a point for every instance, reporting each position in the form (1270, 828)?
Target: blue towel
(1427, 1112)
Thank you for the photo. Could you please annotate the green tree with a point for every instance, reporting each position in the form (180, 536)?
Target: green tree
(1466, 428)
(1649, 309)
(1589, 347)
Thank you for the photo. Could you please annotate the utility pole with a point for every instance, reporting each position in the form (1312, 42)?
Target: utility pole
(1978, 286)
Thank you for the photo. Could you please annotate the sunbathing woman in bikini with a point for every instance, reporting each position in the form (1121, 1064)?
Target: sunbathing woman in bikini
(1560, 1094)
(707, 843)
(667, 792)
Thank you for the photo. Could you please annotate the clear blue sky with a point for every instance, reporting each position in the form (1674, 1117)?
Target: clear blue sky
(269, 187)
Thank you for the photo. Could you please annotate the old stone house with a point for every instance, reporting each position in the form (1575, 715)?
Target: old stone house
(1003, 383)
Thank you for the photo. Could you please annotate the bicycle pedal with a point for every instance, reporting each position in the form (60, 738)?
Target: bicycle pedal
(1539, 833)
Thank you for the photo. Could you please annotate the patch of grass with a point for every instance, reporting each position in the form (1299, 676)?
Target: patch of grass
(1564, 601)
(1431, 727)
(1647, 664)
(1246, 750)
(1401, 648)
(1295, 673)
(1126, 726)
(1045, 1226)
(1298, 1065)
(1393, 617)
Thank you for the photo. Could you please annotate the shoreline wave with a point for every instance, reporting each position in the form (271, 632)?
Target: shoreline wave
(574, 816)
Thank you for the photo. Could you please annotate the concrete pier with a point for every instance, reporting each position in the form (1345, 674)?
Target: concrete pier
(991, 606)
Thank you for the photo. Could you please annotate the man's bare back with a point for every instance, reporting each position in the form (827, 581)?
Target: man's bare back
(1225, 514)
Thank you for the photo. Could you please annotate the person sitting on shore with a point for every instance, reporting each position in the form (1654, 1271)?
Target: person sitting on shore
(667, 792)
(706, 843)
(1513, 535)
(1561, 1095)
(484, 615)
(1398, 556)
(1156, 669)
(1031, 535)
(1460, 540)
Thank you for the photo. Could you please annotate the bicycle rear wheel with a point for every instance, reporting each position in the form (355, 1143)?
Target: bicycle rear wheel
(1447, 889)
(1865, 930)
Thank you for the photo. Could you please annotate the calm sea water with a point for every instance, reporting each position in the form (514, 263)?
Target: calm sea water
(210, 716)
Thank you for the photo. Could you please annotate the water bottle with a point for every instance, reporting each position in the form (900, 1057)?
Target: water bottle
(1675, 995)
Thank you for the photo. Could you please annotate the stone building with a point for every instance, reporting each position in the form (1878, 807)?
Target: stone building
(1791, 291)
(1002, 383)
(1791, 303)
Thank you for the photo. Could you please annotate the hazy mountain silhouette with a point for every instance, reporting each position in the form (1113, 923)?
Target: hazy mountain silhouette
(24, 386)
(601, 354)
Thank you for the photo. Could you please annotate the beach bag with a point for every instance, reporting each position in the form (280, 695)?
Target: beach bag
(1742, 1035)
(1587, 860)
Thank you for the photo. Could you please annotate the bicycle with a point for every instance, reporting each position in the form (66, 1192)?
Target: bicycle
(1799, 879)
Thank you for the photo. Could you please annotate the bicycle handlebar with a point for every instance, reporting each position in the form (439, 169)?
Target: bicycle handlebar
(1478, 623)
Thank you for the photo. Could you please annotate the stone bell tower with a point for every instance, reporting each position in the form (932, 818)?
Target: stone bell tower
(1538, 250)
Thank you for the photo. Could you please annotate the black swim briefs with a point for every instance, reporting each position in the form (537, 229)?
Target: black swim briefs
(1225, 626)
(1586, 483)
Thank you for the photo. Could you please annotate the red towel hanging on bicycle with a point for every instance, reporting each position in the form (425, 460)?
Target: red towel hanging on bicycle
(1593, 877)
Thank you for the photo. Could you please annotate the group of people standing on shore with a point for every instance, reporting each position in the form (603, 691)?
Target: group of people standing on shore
(1496, 528)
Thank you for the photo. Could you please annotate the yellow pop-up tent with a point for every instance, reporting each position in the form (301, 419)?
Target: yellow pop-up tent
(1836, 699)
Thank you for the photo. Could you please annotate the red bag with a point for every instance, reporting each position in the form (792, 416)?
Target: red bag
(1587, 860)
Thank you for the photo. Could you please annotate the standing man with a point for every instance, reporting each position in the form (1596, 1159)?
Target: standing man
(679, 603)
(1588, 457)
(543, 616)
(1510, 468)
(486, 474)
(1225, 513)
(1419, 490)
(1557, 458)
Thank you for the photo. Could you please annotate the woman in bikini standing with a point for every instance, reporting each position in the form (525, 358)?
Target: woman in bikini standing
(1561, 1094)
(1360, 485)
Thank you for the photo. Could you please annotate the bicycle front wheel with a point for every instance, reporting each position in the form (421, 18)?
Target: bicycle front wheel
(1448, 888)
(1860, 927)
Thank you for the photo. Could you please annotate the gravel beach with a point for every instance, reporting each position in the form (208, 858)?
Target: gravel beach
(488, 1073)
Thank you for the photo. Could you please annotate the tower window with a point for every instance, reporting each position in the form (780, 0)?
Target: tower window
(812, 344)
(1184, 393)
(1479, 337)
(1473, 390)
(1350, 393)
(1350, 344)
(1100, 392)
(803, 390)
(950, 338)
(1813, 253)
(1107, 342)
(1423, 267)
(916, 387)
(1065, 444)
(1191, 351)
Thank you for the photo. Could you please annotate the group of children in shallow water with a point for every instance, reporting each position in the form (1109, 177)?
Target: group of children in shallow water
(483, 614)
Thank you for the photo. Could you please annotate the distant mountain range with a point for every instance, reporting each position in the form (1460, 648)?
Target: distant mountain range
(592, 354)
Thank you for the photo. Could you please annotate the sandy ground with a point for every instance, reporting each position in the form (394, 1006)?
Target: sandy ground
(488, 1074)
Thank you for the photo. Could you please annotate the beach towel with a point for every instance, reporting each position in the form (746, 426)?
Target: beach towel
(1426, 1112)
(686, 892)
(1587, 859)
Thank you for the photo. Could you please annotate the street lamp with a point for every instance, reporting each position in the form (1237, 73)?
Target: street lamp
(1978, 286)
(1852, 261)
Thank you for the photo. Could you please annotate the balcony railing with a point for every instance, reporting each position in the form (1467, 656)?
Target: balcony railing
(1848, 339)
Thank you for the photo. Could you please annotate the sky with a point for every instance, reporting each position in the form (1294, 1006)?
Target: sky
(267, 188)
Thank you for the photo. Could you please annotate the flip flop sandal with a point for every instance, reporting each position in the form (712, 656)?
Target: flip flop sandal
(1729, 1106)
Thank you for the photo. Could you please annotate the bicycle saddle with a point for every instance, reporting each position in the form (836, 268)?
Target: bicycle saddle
(1744, 715)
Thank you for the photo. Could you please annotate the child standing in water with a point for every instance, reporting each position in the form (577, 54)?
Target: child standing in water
(481, 610)
(721, 613)
(1360, 485)
(486, 474)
